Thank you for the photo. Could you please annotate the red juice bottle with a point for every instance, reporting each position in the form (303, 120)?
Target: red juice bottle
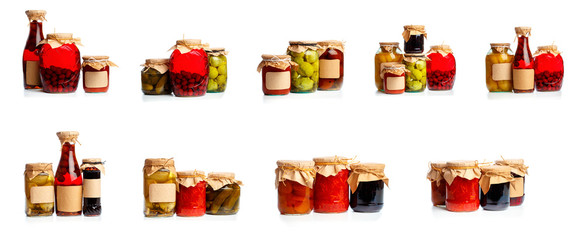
(68, 179)
(523, 65)
(30, 56)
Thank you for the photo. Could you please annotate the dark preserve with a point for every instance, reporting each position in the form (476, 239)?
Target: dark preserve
(68, 179)
(30, 56)
(497, 198)
(368, 197)
(414, 38)
(519, 171)
(92, 171)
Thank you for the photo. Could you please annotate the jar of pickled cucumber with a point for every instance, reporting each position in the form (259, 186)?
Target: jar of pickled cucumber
(498, 68)
(441, 68)
(414, 38)
(217, 70)
(330, 65)
(388, 52)
(276, 74)
(223, 193)
(393, 75)
(294, 181)
(60, 63)
(367, 187)
(39, 189)
(160, 184)
(416, 78)
(305, 79)
(96, 73)
(155, 77)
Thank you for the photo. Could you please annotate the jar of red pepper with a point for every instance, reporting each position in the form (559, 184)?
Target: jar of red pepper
(440, 68)
(519, 172)
(96, 73)
(294, 181)
(393, 77)
(330, 65)
(276, 74)
(60, 63)
(438, 183)
(331, 190)
(189, 68)
(191, 193)
(30, 55)
(548, 68)
(462, 186)
(523, 65)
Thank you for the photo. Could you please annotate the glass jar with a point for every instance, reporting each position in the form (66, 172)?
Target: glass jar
(223, 194)
(217, 70)
(68, 179)
(160, 186)
(523, 65)
(39, 189)
(276, 74)
(60, 63)
(155, 77)
(92, 169)
(438, 183)
(189, 68)
(30, 56)
(498, 68)
(462, 186)
(331, 190)
(548, 68)
(394, 77)
(416, 77)
(330, 65)
(495, 187)
(367, 187)
(519, 171)
(388, 52)
(295, 181)
(414, 38)
(305, 78)
(96, 73)
(191, 193)
(441, 68)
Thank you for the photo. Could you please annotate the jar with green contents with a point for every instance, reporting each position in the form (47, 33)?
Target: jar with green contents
(388, 52)
(39, 189)
(416, 78)
(217, 70)
(223, 194)
(160, 184)
(305, 79)
(155, 77)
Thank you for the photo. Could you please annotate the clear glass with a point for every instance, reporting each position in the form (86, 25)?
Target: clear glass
(416, 78)
(217, 74)
(498, 83)
(158, 209)
(223, 201)
(294, 198)
(383, 55)
(38, 209)
(306, 78)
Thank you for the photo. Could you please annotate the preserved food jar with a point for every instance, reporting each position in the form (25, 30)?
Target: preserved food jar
(30, 56)
(223, 193)
(367, 187)
(416, 77)
(462, 186)
(59, 62)
(217, 70)
(155, 77)
(523, 66)
(92, 169)
(548, 68)
(191, 193)
(331, 190)
(305, 78)
(189, 68)
(441, 68)
(495, 187)
(438, 183)
(68, 179)
(276, 74)
(96, 73)
(519, 171)
(160, 186)
(39, 189)
(330, 65)
(498, 68)
(393, 75)
(388, 52)
(294, 181)
(414, 38)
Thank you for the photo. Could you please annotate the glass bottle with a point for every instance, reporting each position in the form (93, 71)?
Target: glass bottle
(305, 78)
(68, 178)
(548, 68)
(217, 70)
(295, 182)
(367, 192)
(331, 65)
(523, 66)
(39, 189)
(189, 68)
(276, 74)
(155, 77)
(388, 52)
(92, 169)
(498, 68)
(30, 57)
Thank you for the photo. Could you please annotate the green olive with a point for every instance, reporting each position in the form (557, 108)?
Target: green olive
(306, 69)
(213, 72)
(212, 85)
(221, 79)
(311, 56)
(222, 69)
(214, 61)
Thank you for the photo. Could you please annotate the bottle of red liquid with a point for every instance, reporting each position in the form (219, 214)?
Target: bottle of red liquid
(60, 63)
(440, 68)
(189, 68)
(68, 179)
(191, 193)
(548, 68)
(523, 65)
(30, 57)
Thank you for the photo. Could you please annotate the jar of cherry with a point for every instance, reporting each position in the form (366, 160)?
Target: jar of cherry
(523, 65)
(96, 73)
(462, 186)
(440, 68)
(60, 63)
(189, 68)
(548, 68)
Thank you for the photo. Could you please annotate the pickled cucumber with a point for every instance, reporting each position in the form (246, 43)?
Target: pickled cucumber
(154, 82)
(160, 209)
(224, 201)
(217, 74)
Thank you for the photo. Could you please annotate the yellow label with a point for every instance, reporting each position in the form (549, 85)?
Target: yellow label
(523, 79)
(69, 198)
(329, 68)
(164, 192)
(502, 71)
(92, 188)
(96, 79)
(277, 80)
(395, 83)
(44, 194)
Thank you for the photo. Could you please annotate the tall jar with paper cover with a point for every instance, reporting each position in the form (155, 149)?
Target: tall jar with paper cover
(60, 63)
(295, 182)
(222, 196)
(30, 56)
(92, 169)
(462, 186)
(68, 178)
(330, 65)
(331, 190)
(96, 73)
(523, 65)
(160, 184)
(367, 187)
(495, 187)
(39, 189)
(498, 68)
(305, 78)
(438, 183)
(217, 70)
(519, 172)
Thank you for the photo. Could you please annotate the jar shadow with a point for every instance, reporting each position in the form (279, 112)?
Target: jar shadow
(337, 217)
(364, 216)
(441, 93)
(39, 219)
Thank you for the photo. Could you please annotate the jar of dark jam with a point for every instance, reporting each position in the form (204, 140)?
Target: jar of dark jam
(96, 73)
(462, 186)
(438, 183)
(548, 68)
(367, 187)
(519, 171)
(276, 74)
(30, 56)
(495, 187)
(414, 38)
(60, 63)
(92, 169)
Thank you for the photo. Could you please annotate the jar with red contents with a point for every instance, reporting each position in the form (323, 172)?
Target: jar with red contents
(30, 56)
(438, 183)
(276, 75)
(519, 172)
(548, 68)
(191, 193)
(294, 181)
(330, 65)
(462, 186)
(331, 190)
(523, 65)
(189, 68)
(96, 73)
(393, 77)
(440, 68)
(60, 63)
(68, 178)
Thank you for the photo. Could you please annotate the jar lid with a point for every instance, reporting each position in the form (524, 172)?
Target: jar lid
(302, 42)
(331, 159)
(496, 169)
(438, 165)
(95, 58)
(67, 135)
(159, 162)
(296, 164)
(270, 57)
(390, 44)
(523, 30)
(500, 45)
(189, 42)
(227, 175)
(548, 48)
(190, 174)
(511, 161)
(92, 160)
(217, 49)
(392, 65)
(414, 27)
(462, 164)
(60, 36)
(39, 167)
(157, 61)
(330, 43)
(38, 15)
(368, 166)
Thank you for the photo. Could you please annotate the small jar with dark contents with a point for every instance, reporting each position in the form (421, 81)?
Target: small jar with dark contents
(414, 38)
(367, 187)
(92, 170)
(519, 172)
(495, 187)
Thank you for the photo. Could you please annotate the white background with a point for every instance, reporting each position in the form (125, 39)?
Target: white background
(246, 132)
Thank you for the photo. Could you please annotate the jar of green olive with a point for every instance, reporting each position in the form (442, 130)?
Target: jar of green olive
(305, 79)
(416, 76)
(217, 70)
(155, 77)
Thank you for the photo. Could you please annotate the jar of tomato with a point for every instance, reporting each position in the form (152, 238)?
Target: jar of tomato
(30, 55)
(414, 38)
(294, 181)
(60, 63)
(498, 68)
(440, 68)
(523, 65)
(519, 172)
(393, 75)
(495, 187)
(331, 190)
(305, 78)
(388, 52)
(548, 68)
(191, 193)
(330, 65)
(462, 186)
(223, 193)
(438, 183)
(189, 68)
(367, 187)
(96, 73)
(276, 74)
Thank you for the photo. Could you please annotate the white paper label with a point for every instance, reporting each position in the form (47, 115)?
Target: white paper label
(502, 71)
(92, 188)
(96, 79)
(44, 194)
(164, 192)
(329, 68)
(277, 80)
(395, 83)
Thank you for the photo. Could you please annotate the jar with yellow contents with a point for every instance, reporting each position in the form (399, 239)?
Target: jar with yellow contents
(498, 68)
(388, 52)
(160, 184)
(39, 189)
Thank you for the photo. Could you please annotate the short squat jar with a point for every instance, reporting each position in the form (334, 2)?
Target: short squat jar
(495, 188)
(367, 187)
(393, 77)
(462, 186)
(155, 77)
(222, 196)
(276, 74)
(519, 172)
(414, 38)
(295, 182)
(438, 183)
(96, 73)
